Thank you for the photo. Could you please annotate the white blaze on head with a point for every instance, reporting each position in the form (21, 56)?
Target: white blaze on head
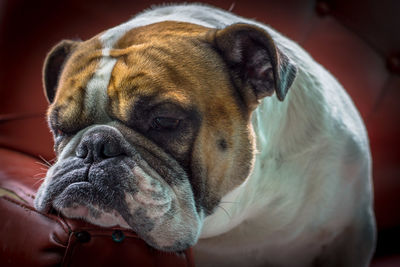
(97, 86)
(96, 89)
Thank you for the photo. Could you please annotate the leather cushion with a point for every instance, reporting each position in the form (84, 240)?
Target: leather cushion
(31, 238)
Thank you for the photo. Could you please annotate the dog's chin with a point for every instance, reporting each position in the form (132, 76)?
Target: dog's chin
(74, 202)
(88, 212)
(64, 203)
(95, 216)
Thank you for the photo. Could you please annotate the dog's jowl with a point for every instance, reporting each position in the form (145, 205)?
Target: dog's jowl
(195, 127)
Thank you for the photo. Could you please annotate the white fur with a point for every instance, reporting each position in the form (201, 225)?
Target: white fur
(105, 219)
(97, 86)
(312, 169)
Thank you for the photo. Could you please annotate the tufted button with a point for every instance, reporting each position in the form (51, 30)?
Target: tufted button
(83, 236)
(118, 236)
(393, 64)
(323, 8)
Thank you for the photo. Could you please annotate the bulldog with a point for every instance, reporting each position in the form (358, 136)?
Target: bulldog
(196, 127)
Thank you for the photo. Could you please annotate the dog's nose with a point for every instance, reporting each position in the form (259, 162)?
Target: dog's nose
(98, 145)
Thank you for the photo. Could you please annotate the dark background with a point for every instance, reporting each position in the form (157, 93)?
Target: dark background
(357, 40)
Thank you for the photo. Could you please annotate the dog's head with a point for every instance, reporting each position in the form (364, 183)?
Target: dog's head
(152, 129)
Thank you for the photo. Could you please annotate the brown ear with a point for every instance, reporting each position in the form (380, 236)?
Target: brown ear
(255, 61)
(53, 66)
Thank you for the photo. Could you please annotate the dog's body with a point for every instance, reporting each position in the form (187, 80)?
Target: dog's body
(261, 182)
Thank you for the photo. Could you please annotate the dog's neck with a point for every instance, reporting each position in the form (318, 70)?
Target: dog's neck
(234, 207)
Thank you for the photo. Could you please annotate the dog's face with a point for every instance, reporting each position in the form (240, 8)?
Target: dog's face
(151, 132)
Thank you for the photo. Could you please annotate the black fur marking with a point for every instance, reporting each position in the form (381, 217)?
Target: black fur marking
(177, 142)
(53, 66)
(252, 55)
(222, 144)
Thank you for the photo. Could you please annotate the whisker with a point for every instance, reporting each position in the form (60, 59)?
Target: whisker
(47, 163)
(40, 173)
(226, 212)
(231, 7)
(43, 164)
(44, 160)
(38, 181)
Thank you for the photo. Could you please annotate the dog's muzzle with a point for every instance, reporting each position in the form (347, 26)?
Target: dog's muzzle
(102, 178)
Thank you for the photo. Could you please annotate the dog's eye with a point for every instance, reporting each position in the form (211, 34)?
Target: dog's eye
(165, 123)
(58, 132)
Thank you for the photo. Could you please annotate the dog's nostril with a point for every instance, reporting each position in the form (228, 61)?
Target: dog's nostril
(98, 148)
(110, 150)
(81, 152)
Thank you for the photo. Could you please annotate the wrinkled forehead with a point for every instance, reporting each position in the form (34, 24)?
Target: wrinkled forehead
(108, 73)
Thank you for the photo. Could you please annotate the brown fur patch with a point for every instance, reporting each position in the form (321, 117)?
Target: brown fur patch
(174, 62)
(167, 30)
(69, 100)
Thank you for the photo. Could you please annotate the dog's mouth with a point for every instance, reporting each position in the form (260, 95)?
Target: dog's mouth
(109, 194)
(88, 191)
(66, 203)
(77, 188)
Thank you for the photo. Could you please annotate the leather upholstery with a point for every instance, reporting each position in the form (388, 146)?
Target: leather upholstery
(30, 238)
(357, 40)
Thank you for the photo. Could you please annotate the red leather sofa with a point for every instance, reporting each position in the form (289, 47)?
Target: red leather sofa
(357, 40)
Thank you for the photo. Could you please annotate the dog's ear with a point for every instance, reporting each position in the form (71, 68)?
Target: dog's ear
(255, 61)
(53, 66)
